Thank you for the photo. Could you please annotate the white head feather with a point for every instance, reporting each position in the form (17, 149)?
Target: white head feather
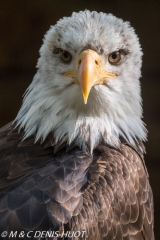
(53, 105)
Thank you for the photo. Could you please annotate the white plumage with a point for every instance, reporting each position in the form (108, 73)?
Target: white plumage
(53, 104)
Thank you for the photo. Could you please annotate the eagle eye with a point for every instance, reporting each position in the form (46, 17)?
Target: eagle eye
(115, 57)
(65, 56)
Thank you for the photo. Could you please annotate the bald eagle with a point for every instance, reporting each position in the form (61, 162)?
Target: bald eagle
(72, 160)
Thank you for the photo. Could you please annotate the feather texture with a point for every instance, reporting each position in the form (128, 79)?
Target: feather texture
(106, 194)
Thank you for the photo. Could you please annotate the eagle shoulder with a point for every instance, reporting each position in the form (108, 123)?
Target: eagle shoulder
(118, 201)
(37, 183)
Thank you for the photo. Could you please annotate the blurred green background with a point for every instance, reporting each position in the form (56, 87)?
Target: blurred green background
(23, 24)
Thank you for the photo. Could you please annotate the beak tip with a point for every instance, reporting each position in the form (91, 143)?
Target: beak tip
(85, 99)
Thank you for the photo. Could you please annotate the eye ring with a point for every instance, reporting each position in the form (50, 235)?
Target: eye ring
(65, 56)
(115, 57)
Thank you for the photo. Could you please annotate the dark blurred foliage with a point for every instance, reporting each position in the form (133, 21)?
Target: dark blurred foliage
(22, 27)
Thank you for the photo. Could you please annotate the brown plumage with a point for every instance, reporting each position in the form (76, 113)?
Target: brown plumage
(107, 194)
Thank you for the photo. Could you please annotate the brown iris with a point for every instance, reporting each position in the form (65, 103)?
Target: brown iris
(115, 57)
(65, 56)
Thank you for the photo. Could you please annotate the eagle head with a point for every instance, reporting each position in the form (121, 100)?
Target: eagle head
(87, 88)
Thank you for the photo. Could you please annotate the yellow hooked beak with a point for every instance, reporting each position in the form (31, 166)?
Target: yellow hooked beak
(89, 72)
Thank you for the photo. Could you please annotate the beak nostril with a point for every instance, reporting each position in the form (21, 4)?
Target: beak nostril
(79, 62)
(96, 62)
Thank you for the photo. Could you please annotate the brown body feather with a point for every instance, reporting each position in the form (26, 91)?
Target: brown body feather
(107, 194)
